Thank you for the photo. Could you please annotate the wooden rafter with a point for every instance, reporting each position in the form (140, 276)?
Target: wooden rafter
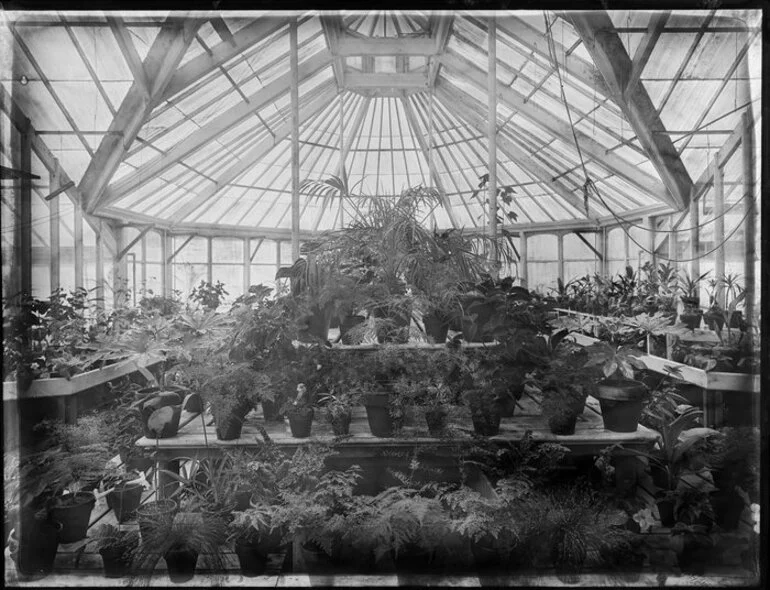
(206, 63)
(645, 47)
(209, 132)
(606, 48)
(558, 127)
(247, 159)
(133, 242)
(333, 28)
(348, 46)
(472, 111)
(164, 56)
(440, 31)
(221, 28)
(127, 48)
(415, 80)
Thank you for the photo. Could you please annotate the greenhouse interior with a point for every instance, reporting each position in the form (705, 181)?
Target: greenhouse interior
(382, 297)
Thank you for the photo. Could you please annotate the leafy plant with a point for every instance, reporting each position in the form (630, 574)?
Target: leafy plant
(209, 295)
(238, 386)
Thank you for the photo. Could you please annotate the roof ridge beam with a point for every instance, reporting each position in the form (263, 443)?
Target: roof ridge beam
(206, 63)
(211, 130)
(470, 110)
(561, 129)
(602, 42)
(319, 101)
(164, 56)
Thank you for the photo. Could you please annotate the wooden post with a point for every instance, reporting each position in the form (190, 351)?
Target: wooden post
(53, 227)
(278, 255)
(560, 255)
(601, 245)
(167, 249)
(120, 271)
(294, 61)
(694, 239)
(246, 264)
(626, 241)
(144, 263)
(24, 210)
(99, 260)
(523, 271)
(492, 135)
(750, 242)
(719, 228)
(672, 242)
(77, 230)
(209, 260)
(649, 224)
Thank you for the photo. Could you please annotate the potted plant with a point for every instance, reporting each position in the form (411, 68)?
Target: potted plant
(689, 287)
(232, 394)
(180, 542)
(158, 513)
(384, 410)
(337, 408)
(563, 379)
(124, 495)
(246, 532)
(619, 394)
(116, 547)
(429, 394)
(300, 413)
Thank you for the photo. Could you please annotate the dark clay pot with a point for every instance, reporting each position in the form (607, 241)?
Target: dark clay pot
(486, 424)
(230, 425)
(436, 327)
(714, 319)
(341, 423)
(316, 560)
(34, 550)
(621, 402)
(485, 554)
(347, 325)
(563, 423)
(252, 558)
(116, 560)
(506, 406)
(124, 500)
(666, 511)
(691, 319)
(73, 511)
(300, 422)
(412, 558)
(378, 414)
(436, 418)
(181, 562)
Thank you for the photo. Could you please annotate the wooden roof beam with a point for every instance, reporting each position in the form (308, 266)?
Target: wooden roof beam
(319, 100)
(221, 28)
(348, 46)
(164, 56)
(605, 47)
(127, 48)
(403, 81)
(645, 47)
(209, 132)
(333, 28)
(473, 113)
(206, 63)
(440, 30)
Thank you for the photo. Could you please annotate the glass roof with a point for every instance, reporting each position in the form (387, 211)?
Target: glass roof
(402, 94)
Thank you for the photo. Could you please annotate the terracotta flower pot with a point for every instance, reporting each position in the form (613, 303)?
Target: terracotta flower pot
(34, 550)
(252, 559)
(691, 318)
(230, 425)
(436, 418)
(300, 422)
(621, 403)
(181, 562)
(436, 327)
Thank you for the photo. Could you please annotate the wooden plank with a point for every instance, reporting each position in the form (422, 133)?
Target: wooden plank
(750, 233)
(609, 54)
(99, 274)
(441, 25)
(375, 80)
(694, 238)
(162, 59)
(77, 231)
(719, 228)
(60, 387)
(24, 209)
(209, 132)
(349, 46)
